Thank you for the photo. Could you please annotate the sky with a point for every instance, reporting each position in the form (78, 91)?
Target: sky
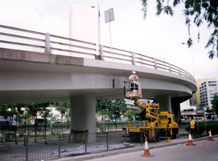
(156, 36)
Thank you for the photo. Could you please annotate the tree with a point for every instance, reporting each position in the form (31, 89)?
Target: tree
(63, 107)
(214, 103)
(210, 111)
(4, 110)
(33, 108)
(131, 113)
(111, 107)
(11, 110)
(196, 11)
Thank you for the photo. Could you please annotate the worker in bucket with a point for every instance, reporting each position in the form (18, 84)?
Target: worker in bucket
(133, 79)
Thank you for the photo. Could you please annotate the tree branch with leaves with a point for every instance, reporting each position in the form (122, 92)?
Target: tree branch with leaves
(198, 11)
(131, 113)
(64, 108)
(111, 107)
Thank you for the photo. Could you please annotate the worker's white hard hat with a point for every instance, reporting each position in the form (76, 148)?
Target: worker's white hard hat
(133, 72)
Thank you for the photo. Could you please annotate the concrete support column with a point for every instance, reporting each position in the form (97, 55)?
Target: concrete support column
(176, 110)
(164, 102)
(83, 115)
(176, 106)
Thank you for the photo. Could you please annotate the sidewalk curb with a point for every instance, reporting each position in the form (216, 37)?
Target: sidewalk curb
(123, 151)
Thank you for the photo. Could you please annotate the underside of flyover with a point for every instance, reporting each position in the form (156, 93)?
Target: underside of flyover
(34, 77)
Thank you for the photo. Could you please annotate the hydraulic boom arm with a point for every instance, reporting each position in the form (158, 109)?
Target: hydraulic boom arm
(150, 109)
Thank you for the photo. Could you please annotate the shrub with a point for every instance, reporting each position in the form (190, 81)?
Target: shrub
(213, 125)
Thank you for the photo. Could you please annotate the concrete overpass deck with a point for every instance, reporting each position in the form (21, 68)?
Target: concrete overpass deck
(34, 77)
(35, 72)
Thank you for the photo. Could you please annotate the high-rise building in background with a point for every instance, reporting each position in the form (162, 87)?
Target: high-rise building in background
(82, 24)
(207, 90)
(198, 83)
(193, 100)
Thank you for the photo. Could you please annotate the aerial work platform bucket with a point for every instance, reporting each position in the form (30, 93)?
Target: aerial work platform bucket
(132, 90)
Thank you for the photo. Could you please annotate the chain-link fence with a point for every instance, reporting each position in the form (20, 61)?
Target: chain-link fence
(18, 133)
(57, 146)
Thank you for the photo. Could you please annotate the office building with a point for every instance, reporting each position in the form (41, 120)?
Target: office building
(198, 82)
(207, 89)
(193, 100)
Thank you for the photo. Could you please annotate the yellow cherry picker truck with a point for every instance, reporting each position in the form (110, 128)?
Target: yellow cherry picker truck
(156, 123)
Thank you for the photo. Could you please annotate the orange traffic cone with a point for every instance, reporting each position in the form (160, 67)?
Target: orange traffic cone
(146, 151)
(210, 136)
(190, 143)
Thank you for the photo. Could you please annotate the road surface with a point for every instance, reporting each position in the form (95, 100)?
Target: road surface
(203, 150)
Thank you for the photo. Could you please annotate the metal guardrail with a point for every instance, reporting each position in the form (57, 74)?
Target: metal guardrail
(22, 39)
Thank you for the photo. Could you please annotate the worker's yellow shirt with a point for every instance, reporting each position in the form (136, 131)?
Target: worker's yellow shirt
(192, 124)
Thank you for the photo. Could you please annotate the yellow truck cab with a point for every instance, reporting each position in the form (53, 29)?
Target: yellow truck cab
(168, 120)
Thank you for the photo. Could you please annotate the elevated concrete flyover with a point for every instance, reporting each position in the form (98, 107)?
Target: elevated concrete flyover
(43, 73)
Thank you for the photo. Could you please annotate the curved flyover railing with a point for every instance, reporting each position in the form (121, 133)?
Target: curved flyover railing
(27, 40)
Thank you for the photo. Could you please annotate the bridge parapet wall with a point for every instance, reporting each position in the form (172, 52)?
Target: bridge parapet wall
(46, 43)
